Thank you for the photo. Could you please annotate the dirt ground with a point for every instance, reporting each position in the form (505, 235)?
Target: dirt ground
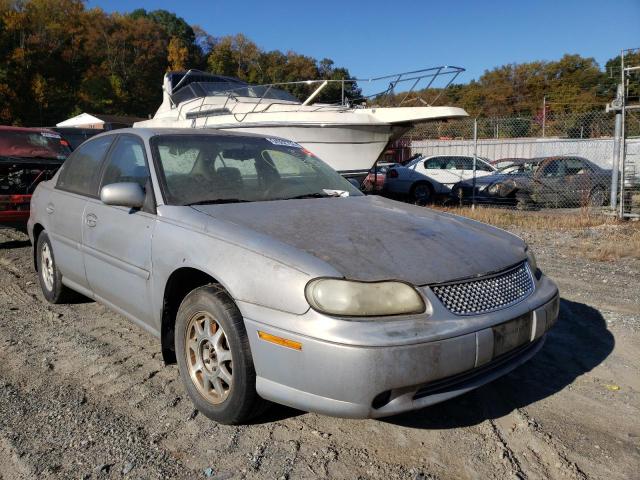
(84, 394)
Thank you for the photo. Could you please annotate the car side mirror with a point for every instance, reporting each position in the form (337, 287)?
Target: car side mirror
(124, 194)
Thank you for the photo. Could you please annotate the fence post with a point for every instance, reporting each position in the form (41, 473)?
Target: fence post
(544, 115)
(475, 161)
(615, 170)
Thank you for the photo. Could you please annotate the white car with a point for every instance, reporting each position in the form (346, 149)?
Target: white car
(424, 178)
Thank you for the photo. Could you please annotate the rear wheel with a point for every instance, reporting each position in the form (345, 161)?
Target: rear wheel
(421, 193)
(49, 276)
(214, 357)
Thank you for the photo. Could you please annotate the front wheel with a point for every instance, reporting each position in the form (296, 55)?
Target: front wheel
(524, 201)
(214, 357)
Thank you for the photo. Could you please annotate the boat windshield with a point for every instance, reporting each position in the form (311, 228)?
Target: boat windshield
(239, 89)
(209, 169)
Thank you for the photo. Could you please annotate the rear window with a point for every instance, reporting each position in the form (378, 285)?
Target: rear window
(33, 144)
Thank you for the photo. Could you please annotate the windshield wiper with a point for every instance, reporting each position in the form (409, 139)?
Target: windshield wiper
(307, 195)
(215, 201)
(327, 193)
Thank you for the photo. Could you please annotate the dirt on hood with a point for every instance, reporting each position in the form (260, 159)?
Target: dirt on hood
(372, 238)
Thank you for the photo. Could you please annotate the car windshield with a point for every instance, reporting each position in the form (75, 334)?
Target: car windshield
(201, 169)
(526, 167)
(33, 144)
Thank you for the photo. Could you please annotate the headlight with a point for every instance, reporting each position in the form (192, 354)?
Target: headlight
(494, 189)
(363, 299)
(531, 258)
(502, 188)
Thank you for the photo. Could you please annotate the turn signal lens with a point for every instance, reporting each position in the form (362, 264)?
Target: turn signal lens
(285, 342)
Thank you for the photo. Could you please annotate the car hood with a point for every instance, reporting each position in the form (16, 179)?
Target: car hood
(500, 177)
(372, 238)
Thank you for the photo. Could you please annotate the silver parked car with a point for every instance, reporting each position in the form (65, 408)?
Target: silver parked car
(267, 276)
(424, 179)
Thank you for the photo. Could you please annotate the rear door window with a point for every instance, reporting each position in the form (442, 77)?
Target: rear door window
(574, 166)
(463, 163)
(81, 171)
(554, 168)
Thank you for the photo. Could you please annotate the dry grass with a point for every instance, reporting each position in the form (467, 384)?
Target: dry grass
(547, 220)
(613, 245)
(595, 236)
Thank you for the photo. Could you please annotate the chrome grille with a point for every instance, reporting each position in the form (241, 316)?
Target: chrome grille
(486, 294)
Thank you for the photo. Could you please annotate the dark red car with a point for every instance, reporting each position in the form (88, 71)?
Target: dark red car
(27, 157)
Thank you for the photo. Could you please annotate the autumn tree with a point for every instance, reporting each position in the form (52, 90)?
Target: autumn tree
(59, 58)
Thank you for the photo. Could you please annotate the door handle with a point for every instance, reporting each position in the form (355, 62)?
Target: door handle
(49, 208)
(91, 220)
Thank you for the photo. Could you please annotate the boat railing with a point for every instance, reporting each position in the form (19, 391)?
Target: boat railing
(414, 77)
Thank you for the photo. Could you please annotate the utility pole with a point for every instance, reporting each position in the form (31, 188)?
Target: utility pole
(475, 162)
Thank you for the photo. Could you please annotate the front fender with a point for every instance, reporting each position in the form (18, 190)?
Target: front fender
(249, 276)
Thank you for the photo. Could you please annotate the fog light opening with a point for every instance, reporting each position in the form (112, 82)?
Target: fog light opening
(381, 399)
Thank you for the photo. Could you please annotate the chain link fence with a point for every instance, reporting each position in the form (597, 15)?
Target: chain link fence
(556, 162)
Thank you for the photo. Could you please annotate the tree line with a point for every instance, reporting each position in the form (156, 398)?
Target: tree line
(59, 58)
(570, 85)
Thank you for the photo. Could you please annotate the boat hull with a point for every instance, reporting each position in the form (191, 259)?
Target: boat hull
(350, 140)
(349, 149)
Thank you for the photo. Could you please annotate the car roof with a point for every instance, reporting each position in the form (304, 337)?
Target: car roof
(149, 132)
(542, 159)
(453, 155)
(9, 128)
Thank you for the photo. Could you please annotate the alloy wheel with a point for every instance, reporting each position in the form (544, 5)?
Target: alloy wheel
(46, 266)
(209, 357)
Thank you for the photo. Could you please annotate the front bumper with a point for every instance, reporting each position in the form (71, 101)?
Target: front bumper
(395, 367)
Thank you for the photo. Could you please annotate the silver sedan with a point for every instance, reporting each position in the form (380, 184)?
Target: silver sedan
(267, 276)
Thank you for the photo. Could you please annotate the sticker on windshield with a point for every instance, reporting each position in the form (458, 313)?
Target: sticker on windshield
(283, 142)
(50, 135)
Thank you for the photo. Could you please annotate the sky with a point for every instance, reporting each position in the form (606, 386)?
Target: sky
(376, 37)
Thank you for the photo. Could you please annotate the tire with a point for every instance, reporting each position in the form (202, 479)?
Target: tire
(457, 196)
(524, 202)
(597, 197)
(49, 276)
(217, 367)
(421, 193)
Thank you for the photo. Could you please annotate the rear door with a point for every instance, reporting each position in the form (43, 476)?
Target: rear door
(77, 183)
(441, 169)
(577, 182)
(117, 240)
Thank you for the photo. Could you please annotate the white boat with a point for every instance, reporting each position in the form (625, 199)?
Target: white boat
(348, 137)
